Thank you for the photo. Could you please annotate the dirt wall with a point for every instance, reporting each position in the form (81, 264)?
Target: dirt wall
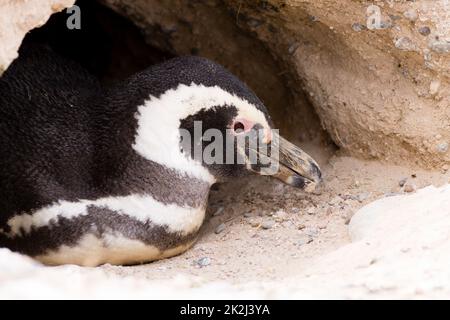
(375, 72)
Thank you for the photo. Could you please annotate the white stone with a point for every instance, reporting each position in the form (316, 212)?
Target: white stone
(434, 87)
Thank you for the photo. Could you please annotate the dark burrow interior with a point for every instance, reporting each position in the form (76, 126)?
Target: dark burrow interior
(107, 44)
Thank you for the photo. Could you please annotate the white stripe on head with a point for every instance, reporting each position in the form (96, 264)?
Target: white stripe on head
(141, 207)
(158, 136)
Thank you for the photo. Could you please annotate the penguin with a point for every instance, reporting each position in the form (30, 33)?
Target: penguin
(92, 175)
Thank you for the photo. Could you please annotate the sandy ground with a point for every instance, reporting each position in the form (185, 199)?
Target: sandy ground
(265, 240)
(261, 230)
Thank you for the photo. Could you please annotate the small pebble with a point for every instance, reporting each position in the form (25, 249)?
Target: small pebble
(394, 17)
(425, 31)
(280, 214)
(405, 44)
(253, 23)
(335, 201)
(411, 15)
(402, 182)
(361, 197)
(311, 211)
(383, 25)
(409, 188)
(346, 197)
(169, 29)
(286, 224)
(391, 194)
(254, 223)
(312, 232)
(219, 228)
(358, 27)
(301, 227)
(323, 225)
(293, 48)
(439, 46)
(203, 262)
(305, 240)
(268, 224)
(218, 212)
(247, 215)
(442, 147)
(434, 87)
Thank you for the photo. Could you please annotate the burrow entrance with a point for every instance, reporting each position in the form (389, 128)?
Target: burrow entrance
(113, 47)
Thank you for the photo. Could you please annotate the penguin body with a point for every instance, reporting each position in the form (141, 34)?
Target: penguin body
(92, 175)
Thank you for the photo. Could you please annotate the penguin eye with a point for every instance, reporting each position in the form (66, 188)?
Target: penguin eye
(238, 127)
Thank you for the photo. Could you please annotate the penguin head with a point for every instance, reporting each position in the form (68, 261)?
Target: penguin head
(209, 124)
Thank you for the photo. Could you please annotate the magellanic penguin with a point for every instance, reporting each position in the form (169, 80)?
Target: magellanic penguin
(92, 175)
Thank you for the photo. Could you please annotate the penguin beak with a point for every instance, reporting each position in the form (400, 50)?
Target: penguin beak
(296, 167)
(293, 166)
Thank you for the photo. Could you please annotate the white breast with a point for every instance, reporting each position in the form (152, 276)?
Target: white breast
(115, 249)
